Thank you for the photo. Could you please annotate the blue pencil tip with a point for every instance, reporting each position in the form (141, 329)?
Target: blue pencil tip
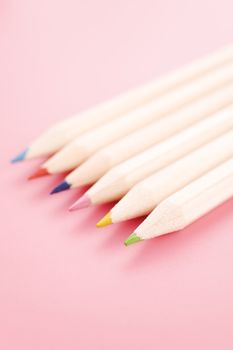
(61, 187)
(20, 156)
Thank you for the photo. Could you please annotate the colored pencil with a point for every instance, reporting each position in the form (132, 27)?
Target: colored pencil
(80, 149)
(61, 133)
(117, 152)
(187, 205)
(121, 178)
(147, 194)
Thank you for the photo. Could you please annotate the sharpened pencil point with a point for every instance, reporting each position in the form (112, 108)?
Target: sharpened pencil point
(39, 173)
(133, 238)
(63, 186)
(81, 203)
(21, 156)
(105, 221)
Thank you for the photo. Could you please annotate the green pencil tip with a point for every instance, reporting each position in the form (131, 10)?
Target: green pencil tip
(133, 238)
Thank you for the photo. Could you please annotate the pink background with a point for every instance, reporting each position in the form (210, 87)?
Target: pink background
(63, 283)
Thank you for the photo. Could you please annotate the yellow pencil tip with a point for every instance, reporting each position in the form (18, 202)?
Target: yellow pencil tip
(106, 220)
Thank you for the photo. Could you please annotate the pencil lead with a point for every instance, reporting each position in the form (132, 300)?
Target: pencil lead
(21, 156)
(61, 187)
(105, 221)
(82, 202)
(38, 173)
(133, 238)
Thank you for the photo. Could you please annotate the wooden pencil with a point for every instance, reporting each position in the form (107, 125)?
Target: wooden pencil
(187, 205)
(121, 178)
(61, 133)
(117, 152)
(147, 194)
(81, 148)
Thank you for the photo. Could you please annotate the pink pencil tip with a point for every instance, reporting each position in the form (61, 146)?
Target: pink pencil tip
(82, 202)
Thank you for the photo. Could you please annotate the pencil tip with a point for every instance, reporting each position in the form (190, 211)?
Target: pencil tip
(61, 187)
(82, 202)
(133, 238)
(106, 220)
(21, 156)
(38, 173)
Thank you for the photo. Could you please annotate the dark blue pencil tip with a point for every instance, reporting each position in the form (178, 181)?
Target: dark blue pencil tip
(61, 187)
(20, 156)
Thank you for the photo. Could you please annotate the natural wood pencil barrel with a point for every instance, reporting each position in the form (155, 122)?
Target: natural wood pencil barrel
(121, 178)
(61, 133)
(147, 194)
(117, 152)
(83, 147)
(190, 203)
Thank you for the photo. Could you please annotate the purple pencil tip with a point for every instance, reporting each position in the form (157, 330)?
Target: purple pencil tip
(63, 186)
